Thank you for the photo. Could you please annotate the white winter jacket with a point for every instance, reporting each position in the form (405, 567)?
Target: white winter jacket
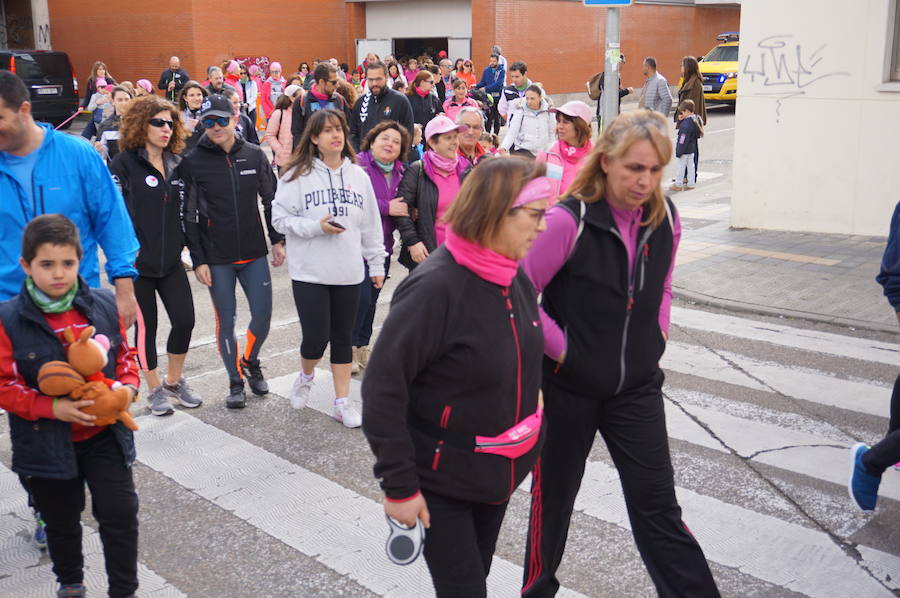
(532, 130)
(314, 256)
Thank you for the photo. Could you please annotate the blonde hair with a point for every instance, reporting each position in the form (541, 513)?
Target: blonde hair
(590, 185)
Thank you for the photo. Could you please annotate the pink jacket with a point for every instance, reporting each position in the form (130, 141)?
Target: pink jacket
(278, 136)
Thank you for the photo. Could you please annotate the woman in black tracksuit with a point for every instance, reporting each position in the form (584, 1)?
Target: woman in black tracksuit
(444, 376)
(147, 171)
(425, 105)
(604, 267)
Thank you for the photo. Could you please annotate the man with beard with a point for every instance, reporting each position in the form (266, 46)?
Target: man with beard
(377, 104)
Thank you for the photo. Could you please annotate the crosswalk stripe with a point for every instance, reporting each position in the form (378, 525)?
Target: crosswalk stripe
(320, 518)
(26, 573)
(787, 336)
(801, 383)
(726, 541)
(798, 558)
(789, 449)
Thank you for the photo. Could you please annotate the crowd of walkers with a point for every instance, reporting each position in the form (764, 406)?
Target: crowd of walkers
(472, 383)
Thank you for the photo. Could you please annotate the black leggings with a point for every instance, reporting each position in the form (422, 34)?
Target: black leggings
(633, 425)
(327, 313)
(460, 543)
(175, 292)
(257, 284)
(114, 504)
(887, 452)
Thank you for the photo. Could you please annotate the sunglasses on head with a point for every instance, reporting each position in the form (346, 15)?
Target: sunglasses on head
(209, 123)
(161, 122)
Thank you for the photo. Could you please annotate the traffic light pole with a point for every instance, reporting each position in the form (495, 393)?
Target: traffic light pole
(611, 67)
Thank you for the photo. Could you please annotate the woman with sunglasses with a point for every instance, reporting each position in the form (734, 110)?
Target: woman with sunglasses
(467, 74)
(248, 88)
(455, 376)
(604, 269)
(189, 101)
(147, 170)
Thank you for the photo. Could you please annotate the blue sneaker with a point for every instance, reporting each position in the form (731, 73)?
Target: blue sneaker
(863, 486)
(40, 532)
(71, 590)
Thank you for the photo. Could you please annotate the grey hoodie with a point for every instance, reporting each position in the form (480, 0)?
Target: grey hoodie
(347, 195)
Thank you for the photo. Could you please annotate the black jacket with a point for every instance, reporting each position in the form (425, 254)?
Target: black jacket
(180, 77)
(44, 448)
(421, 195)
(154, 201)
(611, 319)
(441, 88)
(442, 372)
(305, 105)
(247, 129)
(424, 108)
(221, 210)
(371, 110)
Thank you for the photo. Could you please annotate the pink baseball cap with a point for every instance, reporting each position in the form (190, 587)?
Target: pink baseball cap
(441, 124)
(145, 85)
(576, 109)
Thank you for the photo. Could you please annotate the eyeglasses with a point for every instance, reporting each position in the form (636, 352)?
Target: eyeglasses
(159, 123)
(536, 213)
(209, 123)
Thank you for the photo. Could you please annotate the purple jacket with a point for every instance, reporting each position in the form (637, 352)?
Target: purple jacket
(384, 192)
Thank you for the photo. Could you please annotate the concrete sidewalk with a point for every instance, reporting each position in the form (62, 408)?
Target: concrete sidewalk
(826, 278)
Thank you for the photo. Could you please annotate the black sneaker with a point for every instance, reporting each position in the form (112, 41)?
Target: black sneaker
(236, 398)
(253, 373)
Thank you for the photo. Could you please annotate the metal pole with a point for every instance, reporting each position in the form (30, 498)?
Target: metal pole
(611, 67)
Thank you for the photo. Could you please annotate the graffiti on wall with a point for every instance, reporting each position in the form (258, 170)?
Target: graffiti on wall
(18, 32)
(261, 61)
(787, 68)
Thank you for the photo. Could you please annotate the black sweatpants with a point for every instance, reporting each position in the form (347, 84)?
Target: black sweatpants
(460, 544)
(175, 292)
(633, 425)
(114, 504)
(256, 281)
(368, 301)
(494, 122)
(327, 314)
(887, 452)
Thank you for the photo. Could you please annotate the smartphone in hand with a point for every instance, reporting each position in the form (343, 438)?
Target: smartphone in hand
(337, 225)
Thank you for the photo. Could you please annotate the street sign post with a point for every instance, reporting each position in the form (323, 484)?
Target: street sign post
(611, 59)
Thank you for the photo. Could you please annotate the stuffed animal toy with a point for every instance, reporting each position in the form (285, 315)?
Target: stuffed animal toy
(81, 378)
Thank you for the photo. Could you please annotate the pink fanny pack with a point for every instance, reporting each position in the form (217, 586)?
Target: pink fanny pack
(516, 441)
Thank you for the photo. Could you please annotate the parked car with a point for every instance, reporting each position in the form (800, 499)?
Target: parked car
(719, 69)
(50, 79)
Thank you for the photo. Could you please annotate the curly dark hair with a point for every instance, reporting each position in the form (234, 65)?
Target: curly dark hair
(382, 127)
(133, 127)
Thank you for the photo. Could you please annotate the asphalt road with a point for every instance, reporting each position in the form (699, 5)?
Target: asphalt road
(272, 502)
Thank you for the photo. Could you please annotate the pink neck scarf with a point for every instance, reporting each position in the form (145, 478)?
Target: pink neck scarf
(484, 263)
(422, 93)
(318, 94)
(572, 154)
(441, 164)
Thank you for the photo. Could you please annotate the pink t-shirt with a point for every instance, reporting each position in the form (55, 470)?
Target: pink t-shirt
(448, 187)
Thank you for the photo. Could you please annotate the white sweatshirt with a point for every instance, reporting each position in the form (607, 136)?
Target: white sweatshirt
(314, 256)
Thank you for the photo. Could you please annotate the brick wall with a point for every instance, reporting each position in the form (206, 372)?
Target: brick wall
(562, 42)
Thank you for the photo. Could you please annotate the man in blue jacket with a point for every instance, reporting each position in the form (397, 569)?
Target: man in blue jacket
(492, 80)
(43, 171)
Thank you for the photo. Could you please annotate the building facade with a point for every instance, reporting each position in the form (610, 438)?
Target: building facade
(818, 120)
(561, 40)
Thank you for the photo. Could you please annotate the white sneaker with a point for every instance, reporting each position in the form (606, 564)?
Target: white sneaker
(300, 391)
(346, 414)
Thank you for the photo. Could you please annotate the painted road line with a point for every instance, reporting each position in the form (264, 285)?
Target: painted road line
(341, 529)
(798, 558)
(25, 572)
(863, 396)
(819, 456)
(787, 336)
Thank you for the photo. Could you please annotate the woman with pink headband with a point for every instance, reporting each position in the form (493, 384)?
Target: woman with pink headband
(451, 403)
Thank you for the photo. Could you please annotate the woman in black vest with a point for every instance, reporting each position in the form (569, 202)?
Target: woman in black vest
(604, 267)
